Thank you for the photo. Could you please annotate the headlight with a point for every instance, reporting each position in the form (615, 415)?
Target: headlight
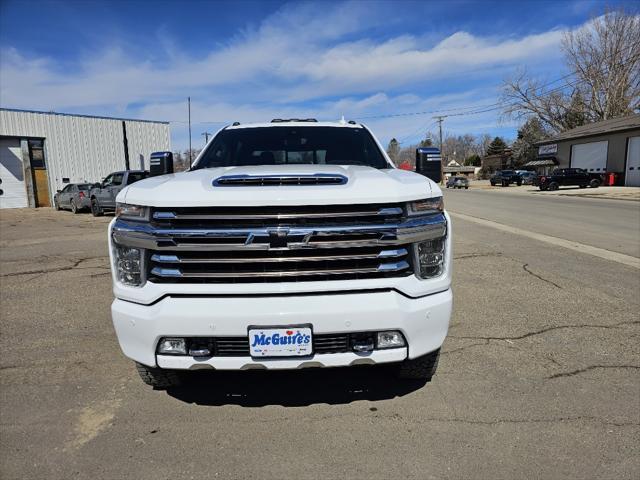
(428, 205)
(129, 265)
(134, 212)
(430, 257)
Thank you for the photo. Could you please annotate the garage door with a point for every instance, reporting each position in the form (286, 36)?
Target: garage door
(590, 156)
(12, 187)
(632, 177)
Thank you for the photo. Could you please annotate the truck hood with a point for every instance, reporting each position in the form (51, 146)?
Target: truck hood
(363, 185)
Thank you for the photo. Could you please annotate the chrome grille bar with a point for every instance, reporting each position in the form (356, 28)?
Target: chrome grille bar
(177, 273)
(163, 258)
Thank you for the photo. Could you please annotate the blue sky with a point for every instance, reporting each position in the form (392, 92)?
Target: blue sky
(252, 61)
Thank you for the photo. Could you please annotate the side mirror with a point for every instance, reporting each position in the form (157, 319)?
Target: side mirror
(160, 163)
(58, 191)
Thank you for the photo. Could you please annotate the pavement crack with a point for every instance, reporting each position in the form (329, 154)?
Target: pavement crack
(526, 269)
(43, 271)
(476, 255)
(544, 330)
(589, 368)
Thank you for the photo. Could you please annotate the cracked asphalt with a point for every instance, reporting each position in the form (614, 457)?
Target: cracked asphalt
(539, 377)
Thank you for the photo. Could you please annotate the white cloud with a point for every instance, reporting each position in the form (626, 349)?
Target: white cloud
(296, 63)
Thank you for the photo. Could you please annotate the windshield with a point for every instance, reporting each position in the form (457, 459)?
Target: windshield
(294, 146)
(507, 172)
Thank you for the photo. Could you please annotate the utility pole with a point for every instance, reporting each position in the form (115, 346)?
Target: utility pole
(189, 107)
(439, 119)
(206, 137)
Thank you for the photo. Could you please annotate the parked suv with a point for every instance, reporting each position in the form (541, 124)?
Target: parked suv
(103, 195)
(287, 245)
(569, 177)
(74, 197)
(505, 178)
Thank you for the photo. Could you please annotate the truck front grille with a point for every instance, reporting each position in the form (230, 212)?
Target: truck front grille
(269, 244)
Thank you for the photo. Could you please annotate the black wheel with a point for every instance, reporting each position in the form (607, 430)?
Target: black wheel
(56, 205)
(421, 368)
(96, 211)
(554, 186)
(594, 183)
(519, 183)
(493, 184)
(466, 188)
(74, 207)
(159, 378)
(447, 186)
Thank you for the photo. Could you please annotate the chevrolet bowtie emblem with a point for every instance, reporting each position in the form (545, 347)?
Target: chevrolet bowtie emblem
(279, 238)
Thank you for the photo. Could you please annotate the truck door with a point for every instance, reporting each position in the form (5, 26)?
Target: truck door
(113, 189)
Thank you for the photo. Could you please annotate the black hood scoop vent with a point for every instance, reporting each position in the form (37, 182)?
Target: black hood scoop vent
(279, 180)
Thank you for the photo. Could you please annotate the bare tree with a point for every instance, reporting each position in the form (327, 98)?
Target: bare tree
(604, 81)
(606, 60)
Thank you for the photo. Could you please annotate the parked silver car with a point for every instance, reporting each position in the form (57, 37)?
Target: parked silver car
(458, 182)
(74, 197)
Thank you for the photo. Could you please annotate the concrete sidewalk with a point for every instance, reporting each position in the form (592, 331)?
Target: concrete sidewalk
(613, 193)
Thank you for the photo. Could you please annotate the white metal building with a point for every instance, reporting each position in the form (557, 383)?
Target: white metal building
(40, 152)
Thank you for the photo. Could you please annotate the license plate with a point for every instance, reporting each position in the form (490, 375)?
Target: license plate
(295, 341)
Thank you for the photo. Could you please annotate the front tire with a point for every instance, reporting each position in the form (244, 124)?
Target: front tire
(594, 183)
(56, 205)
(74, 207)
(421, 368)
(554, 186)
(96, 211)
(159, 378)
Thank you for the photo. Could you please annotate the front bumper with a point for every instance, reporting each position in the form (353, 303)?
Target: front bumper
(424, 322)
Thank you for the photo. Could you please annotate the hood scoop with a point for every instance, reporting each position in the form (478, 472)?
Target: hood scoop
(279, 180)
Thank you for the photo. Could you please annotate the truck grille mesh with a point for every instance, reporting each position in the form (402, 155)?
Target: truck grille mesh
(239, 346)
(276, 244)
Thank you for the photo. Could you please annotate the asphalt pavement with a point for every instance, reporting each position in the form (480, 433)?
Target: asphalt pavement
(539, 377)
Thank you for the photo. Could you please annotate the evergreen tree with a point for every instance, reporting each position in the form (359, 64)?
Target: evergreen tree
(524, 148)
(496, 147)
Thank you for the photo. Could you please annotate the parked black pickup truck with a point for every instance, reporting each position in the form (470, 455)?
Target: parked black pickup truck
(103, 195)
(569, 177)
(505, 178)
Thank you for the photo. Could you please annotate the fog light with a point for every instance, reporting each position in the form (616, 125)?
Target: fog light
(430, 257)
(392, 339)
(128, 262)
(172, 346)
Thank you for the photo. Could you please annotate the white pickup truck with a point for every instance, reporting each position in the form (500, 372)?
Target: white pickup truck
(287, 245)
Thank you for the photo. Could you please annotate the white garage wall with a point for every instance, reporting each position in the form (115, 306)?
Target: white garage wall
(590, 156)
(85, 149)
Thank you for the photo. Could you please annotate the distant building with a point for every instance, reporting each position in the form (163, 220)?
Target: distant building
(501, 161)
(607, 147)
(40, 152)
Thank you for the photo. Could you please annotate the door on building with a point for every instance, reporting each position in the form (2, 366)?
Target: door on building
(632, 175)
(591, 156)
(13, 193)
(39, 171)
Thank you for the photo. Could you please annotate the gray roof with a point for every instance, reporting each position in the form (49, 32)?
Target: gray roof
(598, 128)
(84, 116)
